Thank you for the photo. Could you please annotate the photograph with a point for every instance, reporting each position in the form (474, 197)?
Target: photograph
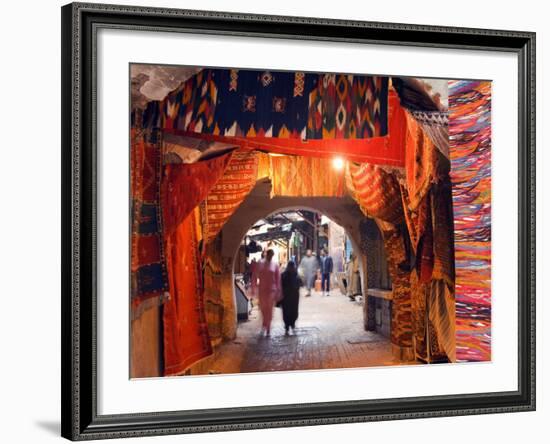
(286, 221)
(274, 222)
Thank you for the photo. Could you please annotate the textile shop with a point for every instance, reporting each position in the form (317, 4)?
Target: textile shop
(417, 170)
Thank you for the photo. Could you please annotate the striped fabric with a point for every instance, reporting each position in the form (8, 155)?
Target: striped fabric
(225, 197)
(377, 192)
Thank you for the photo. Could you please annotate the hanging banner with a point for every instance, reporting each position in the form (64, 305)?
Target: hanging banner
(387, 150)
(279, 104)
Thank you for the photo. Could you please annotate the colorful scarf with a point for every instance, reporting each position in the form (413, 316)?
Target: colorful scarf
(470, 154)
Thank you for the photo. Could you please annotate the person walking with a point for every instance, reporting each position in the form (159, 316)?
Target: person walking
(326, 270)
(290, 284)
(266, 284)
(309, 267)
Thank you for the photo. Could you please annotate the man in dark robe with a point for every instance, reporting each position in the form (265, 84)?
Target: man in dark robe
(290, 286)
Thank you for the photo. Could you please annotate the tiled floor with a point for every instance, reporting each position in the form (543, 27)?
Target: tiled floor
(329, 334)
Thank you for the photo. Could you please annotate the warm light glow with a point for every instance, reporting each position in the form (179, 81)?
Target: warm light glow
(338, 163)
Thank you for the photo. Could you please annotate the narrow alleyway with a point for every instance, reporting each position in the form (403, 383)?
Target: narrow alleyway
(329, 334)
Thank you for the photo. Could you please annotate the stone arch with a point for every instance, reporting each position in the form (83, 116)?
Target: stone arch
(259, 204)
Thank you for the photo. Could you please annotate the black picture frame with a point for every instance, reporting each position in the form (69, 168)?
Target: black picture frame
(79, 208)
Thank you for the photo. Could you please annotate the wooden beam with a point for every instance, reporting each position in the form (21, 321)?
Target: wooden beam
(305, 218)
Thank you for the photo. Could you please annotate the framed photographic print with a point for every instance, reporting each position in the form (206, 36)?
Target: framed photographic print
(278, 221)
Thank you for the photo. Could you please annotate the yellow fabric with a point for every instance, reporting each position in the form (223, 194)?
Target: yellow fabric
(264, 165)
(306, 177)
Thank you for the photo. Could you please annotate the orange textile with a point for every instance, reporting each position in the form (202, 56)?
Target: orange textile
(264, 165)
(421, 224)
(184, 186)
(425, 248)
(430, 228)
(137, 159)
(212, 283)
(228, 193)
(186, 338)
(401, 323)
(443, 239)
(432, 320)
(420, 162)
(377, 192)
(305, 176)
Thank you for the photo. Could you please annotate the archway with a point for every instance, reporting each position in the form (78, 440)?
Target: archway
(259, 204)
(291, 231)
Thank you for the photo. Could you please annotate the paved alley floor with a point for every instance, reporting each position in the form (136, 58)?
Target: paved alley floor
(329, 334)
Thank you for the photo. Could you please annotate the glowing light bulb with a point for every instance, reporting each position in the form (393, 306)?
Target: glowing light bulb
(338, 163)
